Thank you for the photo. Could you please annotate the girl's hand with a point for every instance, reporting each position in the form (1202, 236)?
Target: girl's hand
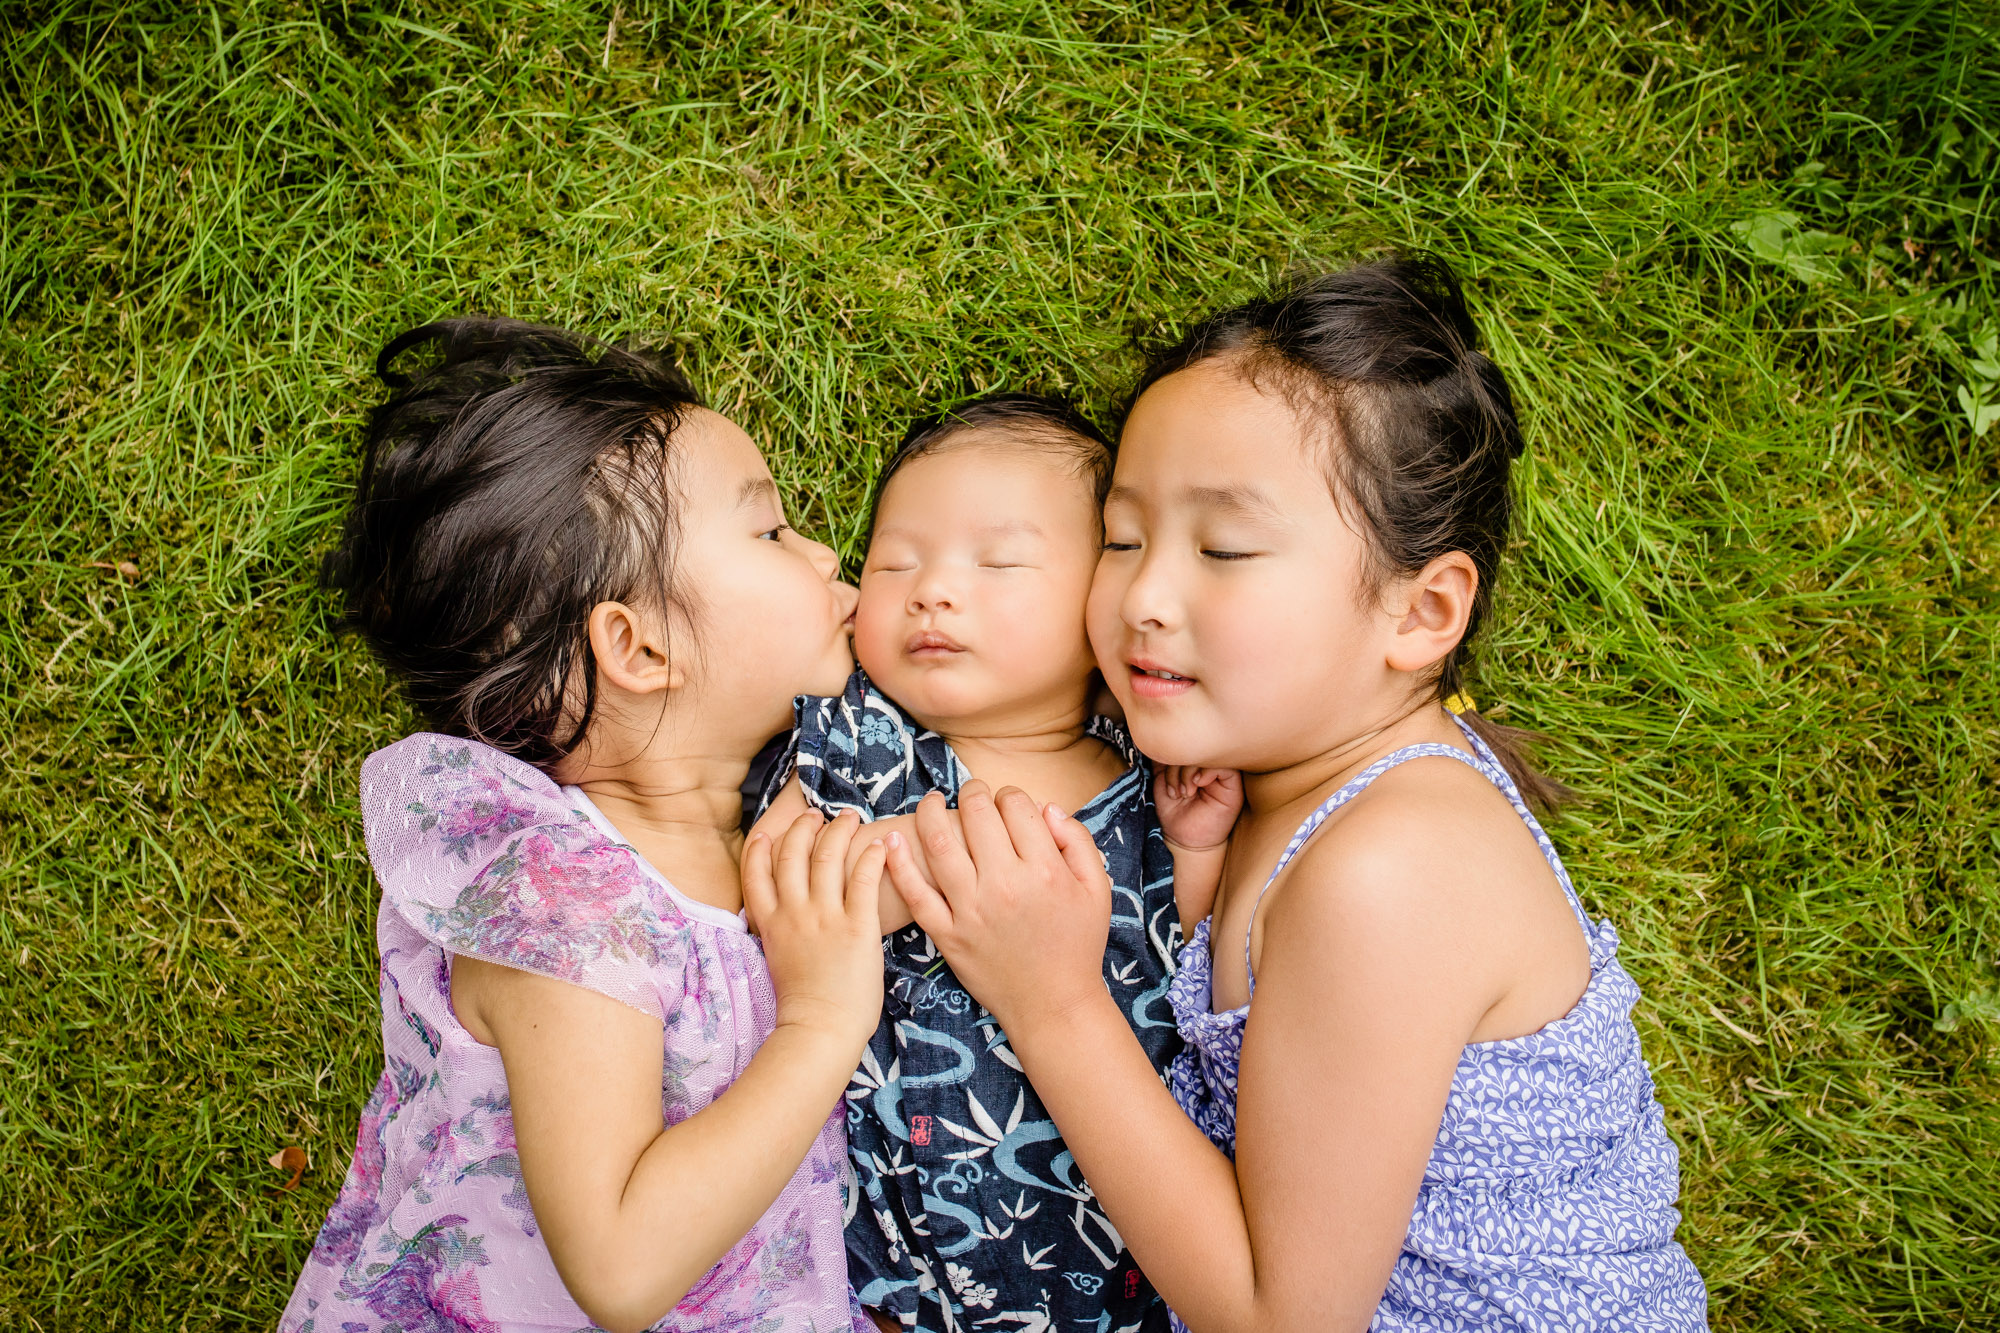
(817, 917)
(1197, 806)
(1022, 905)
(791, 803)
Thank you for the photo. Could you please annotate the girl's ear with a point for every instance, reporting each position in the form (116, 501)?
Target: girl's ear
(1437, 605)
(631, 650)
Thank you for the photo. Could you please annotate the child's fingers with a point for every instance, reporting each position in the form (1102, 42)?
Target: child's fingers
(760, 892)
(1224, 786)
(829, 857)
(864, 887)
(928, 907)
(794, 860)
(985, 831)
(1026, 829)
(1078, 848)
(863, 839)
(944, 850)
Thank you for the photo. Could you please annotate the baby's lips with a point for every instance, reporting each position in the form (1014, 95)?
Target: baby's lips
(932, 641)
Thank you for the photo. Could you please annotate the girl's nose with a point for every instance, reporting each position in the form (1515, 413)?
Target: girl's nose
(823, 559)
(1149, 603)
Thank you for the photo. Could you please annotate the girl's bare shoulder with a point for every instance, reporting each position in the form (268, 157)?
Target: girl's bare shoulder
(1431, 845)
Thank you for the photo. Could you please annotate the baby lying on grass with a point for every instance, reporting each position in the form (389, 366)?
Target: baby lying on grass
(974, 662)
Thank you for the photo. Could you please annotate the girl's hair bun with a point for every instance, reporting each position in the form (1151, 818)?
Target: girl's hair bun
(515, 479)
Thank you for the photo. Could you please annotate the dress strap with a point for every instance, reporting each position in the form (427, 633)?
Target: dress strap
(1482, 761)
(1497, 773)
(1354, 786)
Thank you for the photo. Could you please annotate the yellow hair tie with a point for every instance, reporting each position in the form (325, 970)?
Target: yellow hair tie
(1460, 703)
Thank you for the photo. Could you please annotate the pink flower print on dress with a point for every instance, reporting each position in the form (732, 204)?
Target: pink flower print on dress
(557, 905)
(482, 803)
(357, 1209)
(431, 1286)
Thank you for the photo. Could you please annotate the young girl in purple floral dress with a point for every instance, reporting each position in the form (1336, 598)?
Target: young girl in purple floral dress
(605, 1103)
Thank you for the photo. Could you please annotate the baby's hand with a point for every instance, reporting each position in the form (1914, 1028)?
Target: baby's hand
(1197, 806)
(820, 935)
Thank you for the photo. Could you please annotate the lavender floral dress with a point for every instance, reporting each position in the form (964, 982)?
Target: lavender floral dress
(479, 854)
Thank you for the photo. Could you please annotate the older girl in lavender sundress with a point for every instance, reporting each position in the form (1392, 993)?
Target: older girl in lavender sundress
(1413, 1096)
(604, 1102)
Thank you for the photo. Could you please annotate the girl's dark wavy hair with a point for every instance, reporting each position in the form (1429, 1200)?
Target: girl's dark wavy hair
(1419, 426)
(519, 477)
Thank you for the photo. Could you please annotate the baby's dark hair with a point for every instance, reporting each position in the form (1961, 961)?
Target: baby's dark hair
(508, 486)
(1044, 420)
(1420, 426)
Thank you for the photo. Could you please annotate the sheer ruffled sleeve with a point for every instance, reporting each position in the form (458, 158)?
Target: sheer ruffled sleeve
(862, 752)
(485, 856)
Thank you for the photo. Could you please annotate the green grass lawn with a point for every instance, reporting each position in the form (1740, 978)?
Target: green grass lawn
(1739, 260)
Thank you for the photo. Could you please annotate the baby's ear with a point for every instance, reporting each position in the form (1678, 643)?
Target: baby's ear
(1436, 608)
(632, 651)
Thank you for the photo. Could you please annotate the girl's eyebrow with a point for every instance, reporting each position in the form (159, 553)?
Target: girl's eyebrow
(1244, 502)
(755, 489)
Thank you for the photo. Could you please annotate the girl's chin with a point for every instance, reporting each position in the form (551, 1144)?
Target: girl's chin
(1168, 744)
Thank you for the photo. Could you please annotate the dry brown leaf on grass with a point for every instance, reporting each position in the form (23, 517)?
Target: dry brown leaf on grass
(293, 1159)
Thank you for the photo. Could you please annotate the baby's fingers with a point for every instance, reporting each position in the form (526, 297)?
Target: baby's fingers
(1222, 785)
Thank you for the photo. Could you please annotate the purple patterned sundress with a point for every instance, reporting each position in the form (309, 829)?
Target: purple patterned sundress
(481, 855)
(1548, 1202)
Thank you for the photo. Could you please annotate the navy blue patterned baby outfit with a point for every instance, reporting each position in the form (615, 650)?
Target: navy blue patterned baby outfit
(1548, 1202)
(971, 1211)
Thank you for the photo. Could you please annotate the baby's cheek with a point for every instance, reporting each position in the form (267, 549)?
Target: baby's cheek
(876, 629)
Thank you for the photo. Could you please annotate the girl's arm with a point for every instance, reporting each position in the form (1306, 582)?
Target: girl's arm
(1349, 1055)
(634, 1213)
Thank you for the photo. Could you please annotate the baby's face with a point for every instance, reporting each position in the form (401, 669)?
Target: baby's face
(973, 594)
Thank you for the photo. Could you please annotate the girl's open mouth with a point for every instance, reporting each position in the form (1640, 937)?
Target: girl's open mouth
(1156, 682)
